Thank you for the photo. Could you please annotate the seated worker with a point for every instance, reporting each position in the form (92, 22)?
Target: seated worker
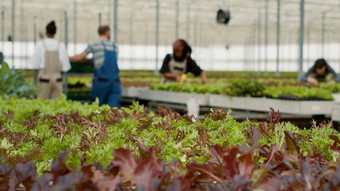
(180, 62)
(319, 73)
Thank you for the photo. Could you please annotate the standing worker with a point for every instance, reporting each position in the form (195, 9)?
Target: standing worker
(1, 57)
(51, 60)
(106, 84)
(180, 62)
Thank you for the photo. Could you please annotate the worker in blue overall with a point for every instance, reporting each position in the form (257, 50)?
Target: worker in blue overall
(106, 84)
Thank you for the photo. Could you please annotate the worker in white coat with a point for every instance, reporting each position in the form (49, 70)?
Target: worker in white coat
(51, 60)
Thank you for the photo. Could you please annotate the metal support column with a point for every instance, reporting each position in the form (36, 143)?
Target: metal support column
(131, 42)
(249, 52)
(146, 42)
(66, 28)
(259, 41)
(339, 53)
(115, 20)
(195, 32)
(22, 48)
(245, 49)
(277, 74)
(285, 57)
(22, 21)
(323, 34)
(131, 31)
(3, 30)
(13, 30)
(75, 26)
(254, 47)
(157, 35)
(307, 58)
(100, 18)
(66, 42)
(111, 20)
(197, 39)
(245, 53)
(88, 17)
(301, 37)
(266, 41)
(109, 13)
(35, 73)
(188, 22)
(146, 36)
(177, 18)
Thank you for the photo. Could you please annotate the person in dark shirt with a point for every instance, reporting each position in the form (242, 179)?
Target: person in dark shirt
(180, 62)
(1, 57)
(319, 73)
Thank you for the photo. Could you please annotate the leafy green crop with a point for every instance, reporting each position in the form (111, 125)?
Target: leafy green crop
(41, 130)
(244, 87)
(299, 91)
(247, 88)
(335, 88)
(12, 84)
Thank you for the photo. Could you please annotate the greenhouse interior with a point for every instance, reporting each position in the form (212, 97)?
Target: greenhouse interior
(170, 95)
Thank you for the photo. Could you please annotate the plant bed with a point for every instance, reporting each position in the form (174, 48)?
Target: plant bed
(231, 169)
(81, 67)
(174, 97)
(292, 97)
(158, 151)
(79, 94)
(248, 88)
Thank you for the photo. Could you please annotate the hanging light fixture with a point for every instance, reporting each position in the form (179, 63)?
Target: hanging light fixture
(223, 16)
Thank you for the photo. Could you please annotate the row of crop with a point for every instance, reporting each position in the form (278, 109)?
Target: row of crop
(41, 118)
(217, 74)
(248, 88)
(14, 83)
(224, 149)
(235, 87)
(53, 127)
(232, 169)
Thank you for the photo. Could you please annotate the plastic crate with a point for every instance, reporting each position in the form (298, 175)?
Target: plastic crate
(291, 97)
(81, 67)
(79, 95)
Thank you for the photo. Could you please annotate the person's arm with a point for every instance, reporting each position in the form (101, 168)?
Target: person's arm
(172, 76)
(336, 76)
(304, 78)
(78, 57)
(82, 56)
(64, 59)
(36, 60)
(196, 70)
(312, 80)
(203, 76)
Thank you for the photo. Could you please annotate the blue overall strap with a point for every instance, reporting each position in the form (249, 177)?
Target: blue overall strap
(106, 84)
(110, 59)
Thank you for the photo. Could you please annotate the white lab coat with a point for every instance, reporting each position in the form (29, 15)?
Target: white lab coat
(37, 61)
